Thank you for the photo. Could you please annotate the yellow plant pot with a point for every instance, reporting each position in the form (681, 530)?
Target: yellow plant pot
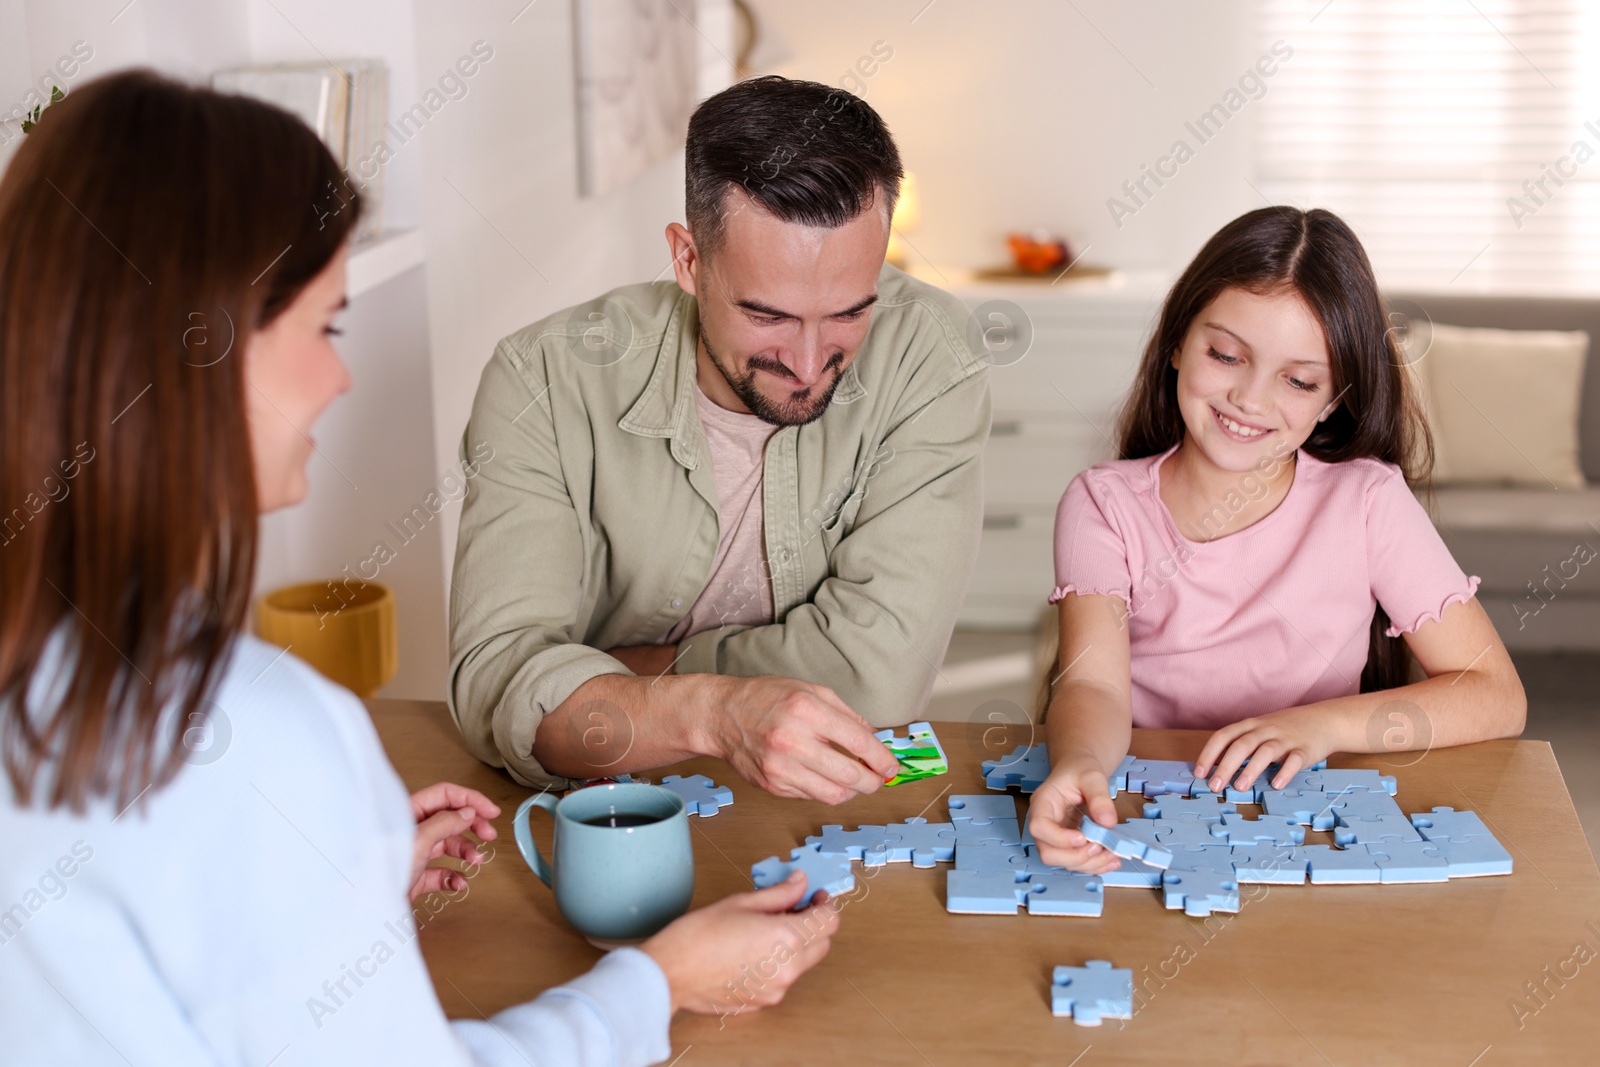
(344, 628)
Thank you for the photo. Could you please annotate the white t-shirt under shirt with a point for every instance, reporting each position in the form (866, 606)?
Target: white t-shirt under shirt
(253, 911)
(739, 591)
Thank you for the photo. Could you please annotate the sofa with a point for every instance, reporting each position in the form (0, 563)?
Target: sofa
(1537, 550)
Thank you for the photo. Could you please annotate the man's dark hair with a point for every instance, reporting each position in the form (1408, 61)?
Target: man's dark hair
(807, 152)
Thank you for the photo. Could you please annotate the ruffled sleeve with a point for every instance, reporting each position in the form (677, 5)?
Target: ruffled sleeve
(1414, 576)
(1091, 553)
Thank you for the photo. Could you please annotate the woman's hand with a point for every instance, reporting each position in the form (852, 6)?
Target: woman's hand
(1294, 738)
(1074, 791)
(444, 813)
(751, 940)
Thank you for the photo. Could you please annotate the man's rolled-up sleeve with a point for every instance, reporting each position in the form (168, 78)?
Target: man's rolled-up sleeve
(878, 626)
(517, 588)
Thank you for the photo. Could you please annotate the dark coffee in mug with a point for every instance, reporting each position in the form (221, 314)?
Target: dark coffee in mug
(621, 819)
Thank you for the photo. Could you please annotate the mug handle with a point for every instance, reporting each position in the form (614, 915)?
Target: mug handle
(524, 834)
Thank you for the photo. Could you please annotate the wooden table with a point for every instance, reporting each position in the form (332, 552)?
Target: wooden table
(1302, 974)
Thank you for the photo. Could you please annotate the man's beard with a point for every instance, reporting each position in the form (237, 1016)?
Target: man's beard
(797, 410)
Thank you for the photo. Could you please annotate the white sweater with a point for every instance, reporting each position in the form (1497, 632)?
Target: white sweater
(254, 912)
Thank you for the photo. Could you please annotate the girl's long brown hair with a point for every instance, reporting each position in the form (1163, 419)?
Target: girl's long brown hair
(147, 228)
(1315, 254)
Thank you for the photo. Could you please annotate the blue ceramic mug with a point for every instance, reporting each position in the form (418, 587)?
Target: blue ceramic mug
(621, 865)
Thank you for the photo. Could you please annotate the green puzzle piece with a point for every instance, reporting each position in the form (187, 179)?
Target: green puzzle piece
(920, 755)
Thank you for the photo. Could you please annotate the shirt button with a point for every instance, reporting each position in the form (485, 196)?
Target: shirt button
(677, 602)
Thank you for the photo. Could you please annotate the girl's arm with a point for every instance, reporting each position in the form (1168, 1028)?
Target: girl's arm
(1088, 726)
(1472, 693)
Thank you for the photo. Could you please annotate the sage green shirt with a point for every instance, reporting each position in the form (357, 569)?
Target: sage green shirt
(594, 524)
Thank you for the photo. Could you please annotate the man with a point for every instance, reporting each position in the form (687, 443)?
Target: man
(734, 515)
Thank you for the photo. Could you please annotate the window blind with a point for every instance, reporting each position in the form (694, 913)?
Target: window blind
(1461, 138)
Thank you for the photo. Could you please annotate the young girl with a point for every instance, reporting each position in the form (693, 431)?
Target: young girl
(1257, 564)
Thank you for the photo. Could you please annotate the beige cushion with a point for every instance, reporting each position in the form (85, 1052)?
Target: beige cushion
(1503, 404)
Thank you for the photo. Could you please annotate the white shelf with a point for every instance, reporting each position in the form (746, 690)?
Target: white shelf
(375, 262)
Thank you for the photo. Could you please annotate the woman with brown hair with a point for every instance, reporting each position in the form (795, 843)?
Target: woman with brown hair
(171, 264)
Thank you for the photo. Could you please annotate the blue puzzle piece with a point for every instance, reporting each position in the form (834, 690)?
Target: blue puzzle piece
(1029, 864)
(1341, 866)
(1473, 857)
(1409, 861)
(1065, 893)
(830, 873)
(1216, 856)
(1133, 874)
(981, 807)
(1092, 992)
(916, 841)
(837, 841)
(1383, 829)
(1273, 829)
(1119, 777)
(1184, 833)
(1002, 831)
(1200, 892)
(1348, 780)
(1363, 804)
(1027, 767)
(1448, 824)
(700, 794)
(1308, 807)
(1127, 847)
(1145, 830)
(1170, 807)
(988, 856)
(983, 892)
(1269, 864)
(1152, 777)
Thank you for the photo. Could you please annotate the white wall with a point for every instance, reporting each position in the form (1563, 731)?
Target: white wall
(1031, 113)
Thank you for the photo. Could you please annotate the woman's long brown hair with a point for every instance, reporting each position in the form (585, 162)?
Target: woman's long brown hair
(147, 228)
(1315, 254)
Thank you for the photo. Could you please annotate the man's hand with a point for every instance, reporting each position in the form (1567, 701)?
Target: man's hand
(779, 734)
(647, 661)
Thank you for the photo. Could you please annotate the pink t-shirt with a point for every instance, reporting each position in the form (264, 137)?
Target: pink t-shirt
(739, 590)
(1273, 616)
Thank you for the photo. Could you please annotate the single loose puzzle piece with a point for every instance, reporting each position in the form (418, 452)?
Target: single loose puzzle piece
(1448, 824)
(916, 841)
(1027, 767)
(1409, 861)
(1119, 777)
(1346, 780)
(1002, 831)
(1065, 893)
(1341, 866)
(1152, 777)
(1132, 874)
(1123, 845)
(1092, 992)
(1308, 807)
(830, 873)
(1473, 857)
(1171, 807)
(1200, 892)
(988, 856)
(981, 807)
(983, 892)
(837, 841)
(1382, 830)
(700, 794)
(1273, 829)
(1363, 804)
(1269, 864)
(920, 754)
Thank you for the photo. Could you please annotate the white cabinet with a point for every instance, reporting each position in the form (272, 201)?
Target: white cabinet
(1065, 356)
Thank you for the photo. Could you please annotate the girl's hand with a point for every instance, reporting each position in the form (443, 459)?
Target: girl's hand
(745, 951)
(1293, 738)
(444, 813)
(1073, 792)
